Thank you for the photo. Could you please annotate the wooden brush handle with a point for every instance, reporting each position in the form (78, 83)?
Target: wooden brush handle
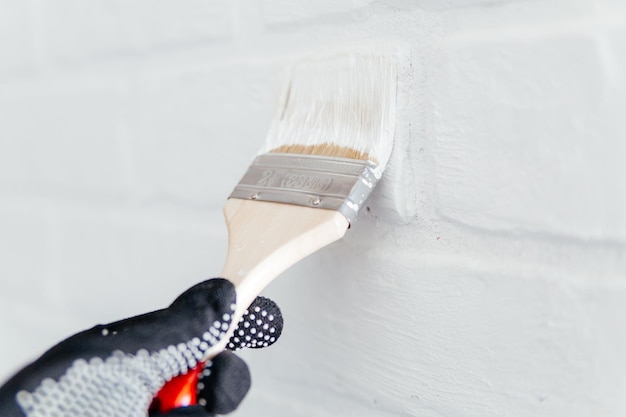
(264, 239)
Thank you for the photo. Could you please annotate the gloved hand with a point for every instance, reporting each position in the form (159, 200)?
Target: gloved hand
(117, 369)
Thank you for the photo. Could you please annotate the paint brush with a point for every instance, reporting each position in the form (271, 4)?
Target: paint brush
(327, 147)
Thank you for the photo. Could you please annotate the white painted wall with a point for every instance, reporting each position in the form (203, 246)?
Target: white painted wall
(488, 278)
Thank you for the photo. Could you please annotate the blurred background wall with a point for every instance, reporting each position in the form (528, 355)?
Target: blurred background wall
(488, 277)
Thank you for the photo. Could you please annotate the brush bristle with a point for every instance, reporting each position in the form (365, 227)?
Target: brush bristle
(342, 106)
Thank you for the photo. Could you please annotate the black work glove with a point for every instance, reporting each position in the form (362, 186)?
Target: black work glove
(117, 369)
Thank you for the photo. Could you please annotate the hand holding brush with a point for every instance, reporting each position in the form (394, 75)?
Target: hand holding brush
(117, 369)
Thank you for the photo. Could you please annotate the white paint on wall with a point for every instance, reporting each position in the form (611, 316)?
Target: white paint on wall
(488, 276)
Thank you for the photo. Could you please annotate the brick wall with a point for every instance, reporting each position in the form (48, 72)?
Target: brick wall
(489, 276)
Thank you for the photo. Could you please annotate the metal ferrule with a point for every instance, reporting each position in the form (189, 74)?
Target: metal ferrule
(307, 180)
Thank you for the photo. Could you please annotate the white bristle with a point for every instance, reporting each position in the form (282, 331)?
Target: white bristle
(347, 101)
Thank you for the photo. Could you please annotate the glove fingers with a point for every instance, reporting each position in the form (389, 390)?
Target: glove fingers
(260, 326)
(223, 384)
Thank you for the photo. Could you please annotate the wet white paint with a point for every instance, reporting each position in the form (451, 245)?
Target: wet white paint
(487, 276)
